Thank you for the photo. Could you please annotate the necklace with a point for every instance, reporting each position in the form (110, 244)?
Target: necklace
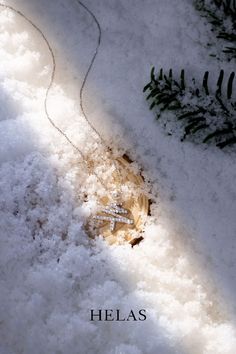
(120, 219)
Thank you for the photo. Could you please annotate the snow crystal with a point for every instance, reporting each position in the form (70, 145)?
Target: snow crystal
(52, 274)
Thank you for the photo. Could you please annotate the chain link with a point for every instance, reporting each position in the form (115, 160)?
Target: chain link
(51, 82)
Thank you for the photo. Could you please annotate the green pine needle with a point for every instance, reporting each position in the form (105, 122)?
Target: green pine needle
(209, 117)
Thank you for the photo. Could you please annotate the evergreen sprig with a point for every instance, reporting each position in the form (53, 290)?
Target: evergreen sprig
(203, 115)
(222, 16)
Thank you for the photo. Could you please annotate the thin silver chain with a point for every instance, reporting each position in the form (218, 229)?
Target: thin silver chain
(51, 81)
(89, 69)
(51, 78)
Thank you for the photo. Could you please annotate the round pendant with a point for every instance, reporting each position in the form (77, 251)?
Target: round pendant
(121, 219)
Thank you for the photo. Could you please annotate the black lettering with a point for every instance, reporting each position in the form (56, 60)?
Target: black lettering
(92, 315)
(143, 314)
(131, 314)
(109, 315)
(118, 316)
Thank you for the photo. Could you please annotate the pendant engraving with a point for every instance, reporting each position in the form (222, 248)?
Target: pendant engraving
(113, 212)
(120, 221)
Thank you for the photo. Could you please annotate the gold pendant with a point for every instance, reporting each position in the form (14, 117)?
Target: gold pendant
(124, 220)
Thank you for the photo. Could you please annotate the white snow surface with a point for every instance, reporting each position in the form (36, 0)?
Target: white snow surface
(51, 274)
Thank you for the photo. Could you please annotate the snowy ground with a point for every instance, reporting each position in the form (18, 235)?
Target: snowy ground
(184, 271)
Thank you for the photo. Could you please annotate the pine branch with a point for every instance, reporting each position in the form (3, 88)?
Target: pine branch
(209, 117)
(222, 16)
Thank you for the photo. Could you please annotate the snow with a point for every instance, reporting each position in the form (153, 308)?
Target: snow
(51, 273)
